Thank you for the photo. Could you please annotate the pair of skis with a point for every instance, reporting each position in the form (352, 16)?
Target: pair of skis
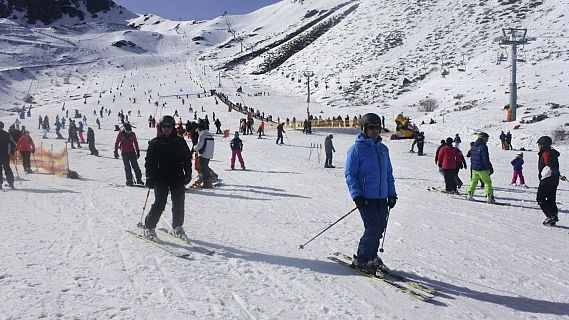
(190, 246)
(390, 278)
(463, 197)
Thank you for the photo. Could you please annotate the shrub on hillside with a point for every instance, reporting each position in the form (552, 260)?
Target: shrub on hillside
(428, 105)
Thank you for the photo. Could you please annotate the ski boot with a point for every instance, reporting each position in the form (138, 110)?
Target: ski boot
(490, 199)
(469, 196)
(139, 181)
(150, 234)
(179, 232)
(129, 183)
(11, 185)
(550, 221)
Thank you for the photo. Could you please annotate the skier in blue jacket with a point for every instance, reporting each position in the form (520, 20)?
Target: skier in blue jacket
(369, 176)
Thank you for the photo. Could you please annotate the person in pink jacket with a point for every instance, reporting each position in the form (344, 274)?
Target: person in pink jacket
(26, 147)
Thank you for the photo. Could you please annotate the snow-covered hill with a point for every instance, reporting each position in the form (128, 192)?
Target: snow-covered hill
(66, 252)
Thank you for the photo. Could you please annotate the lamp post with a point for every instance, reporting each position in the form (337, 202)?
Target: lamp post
(308, 75)
(513, 37)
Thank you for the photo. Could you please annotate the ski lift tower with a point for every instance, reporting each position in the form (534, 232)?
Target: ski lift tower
(513, 37)
(308, 75)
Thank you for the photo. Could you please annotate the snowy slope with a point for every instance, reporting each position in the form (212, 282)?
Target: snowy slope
(66, 252)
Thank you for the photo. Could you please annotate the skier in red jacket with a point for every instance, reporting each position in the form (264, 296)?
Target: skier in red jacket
(448, 159)
(127, 142)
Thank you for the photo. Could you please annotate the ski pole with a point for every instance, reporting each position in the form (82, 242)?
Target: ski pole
(35, 162)
(385, 231)
(330, 226)
(287, 139)
(17, 172)
(140, 224)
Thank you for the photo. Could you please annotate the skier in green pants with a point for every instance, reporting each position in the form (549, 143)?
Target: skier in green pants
(481, 168)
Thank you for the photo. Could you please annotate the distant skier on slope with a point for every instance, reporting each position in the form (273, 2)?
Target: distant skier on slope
(481, 168)
(329, 150)
(128, 144)
(205, 148)
(549, 176)
(168, 168)
(26, 147)
(369, 177)
(236, 146)
(448, 161)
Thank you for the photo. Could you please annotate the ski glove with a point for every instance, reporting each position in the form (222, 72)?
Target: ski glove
(187, 179)
(361, 202)
(391, 201)
(491, 170)
(116, 154)
(137, 154)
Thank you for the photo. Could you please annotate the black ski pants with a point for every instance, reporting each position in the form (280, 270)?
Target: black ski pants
(280, 137)
(546, 196)
(130, 163)
(26, 161)
(450, 182)
(204, 167)
(177, 194)
(92, 148)
(5, 163)
(420, 146)
(328, 161)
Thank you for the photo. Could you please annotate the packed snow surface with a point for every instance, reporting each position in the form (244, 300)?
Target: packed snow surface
(67, 255)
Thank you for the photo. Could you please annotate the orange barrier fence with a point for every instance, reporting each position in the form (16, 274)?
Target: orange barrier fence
(47, 160)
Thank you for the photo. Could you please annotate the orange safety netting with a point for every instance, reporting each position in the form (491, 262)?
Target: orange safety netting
(47, 161)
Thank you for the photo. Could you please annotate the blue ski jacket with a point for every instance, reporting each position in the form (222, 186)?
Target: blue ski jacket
(479, 156)
(368, 170)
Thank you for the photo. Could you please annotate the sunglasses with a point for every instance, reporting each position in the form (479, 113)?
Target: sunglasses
(373, 127)
(166, 126)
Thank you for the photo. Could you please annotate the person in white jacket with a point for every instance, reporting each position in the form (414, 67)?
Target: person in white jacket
(205, 148)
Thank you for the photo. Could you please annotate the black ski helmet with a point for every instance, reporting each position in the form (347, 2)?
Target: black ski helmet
(127, 127)
(369, 118)
(545, 141)
(168, 120)
(201, 124)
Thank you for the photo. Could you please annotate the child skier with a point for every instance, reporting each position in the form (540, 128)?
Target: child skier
(518, 163)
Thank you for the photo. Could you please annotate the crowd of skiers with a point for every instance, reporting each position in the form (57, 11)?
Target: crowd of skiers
(450, 160)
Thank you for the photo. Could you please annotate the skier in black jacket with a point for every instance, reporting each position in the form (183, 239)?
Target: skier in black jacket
(549, 176)
(168, 169)
(7, 148)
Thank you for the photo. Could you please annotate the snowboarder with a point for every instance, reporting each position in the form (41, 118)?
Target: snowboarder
(549, 176)
(7, 148)
(236, 145)
(127, 142)
(26, 147)
(518, 163)
(374, 195)
(205, 148)
(91, 142)
(168, 168)
(329, 149)
(481, 168)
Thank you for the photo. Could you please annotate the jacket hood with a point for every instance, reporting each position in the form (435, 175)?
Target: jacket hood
(362, 138)
(479, 142)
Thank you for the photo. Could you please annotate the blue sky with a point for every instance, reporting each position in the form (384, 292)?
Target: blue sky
(193, 9)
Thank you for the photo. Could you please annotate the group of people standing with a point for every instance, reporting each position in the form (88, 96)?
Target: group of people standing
(450, 160)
